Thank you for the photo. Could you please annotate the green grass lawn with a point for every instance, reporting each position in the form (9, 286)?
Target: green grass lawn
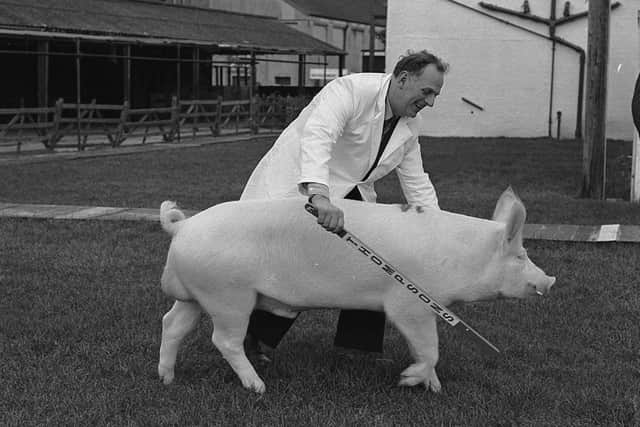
(81, 307)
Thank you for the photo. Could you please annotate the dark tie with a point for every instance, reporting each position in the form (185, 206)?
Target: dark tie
(387, 130)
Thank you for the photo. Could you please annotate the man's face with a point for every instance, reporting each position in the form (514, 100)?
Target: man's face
(412, 93)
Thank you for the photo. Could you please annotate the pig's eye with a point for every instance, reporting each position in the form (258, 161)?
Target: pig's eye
(522, 256)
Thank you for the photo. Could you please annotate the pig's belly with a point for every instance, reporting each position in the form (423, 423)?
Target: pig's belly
(334, 276)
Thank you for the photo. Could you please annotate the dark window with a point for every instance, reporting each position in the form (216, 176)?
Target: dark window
(283, 80)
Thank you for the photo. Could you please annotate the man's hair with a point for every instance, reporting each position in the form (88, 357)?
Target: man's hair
(414, 63)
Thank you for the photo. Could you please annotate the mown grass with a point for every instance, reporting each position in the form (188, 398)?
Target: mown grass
(81, 308)
(469, 175)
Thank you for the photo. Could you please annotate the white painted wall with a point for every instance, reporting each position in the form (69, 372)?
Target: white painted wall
(508, 71)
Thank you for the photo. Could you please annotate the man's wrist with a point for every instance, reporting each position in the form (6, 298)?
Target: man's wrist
(311, 197)
(314, 188)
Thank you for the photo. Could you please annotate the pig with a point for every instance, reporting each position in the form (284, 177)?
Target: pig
(271, 254)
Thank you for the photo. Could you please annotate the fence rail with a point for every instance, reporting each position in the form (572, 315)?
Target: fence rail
(68, 125)
(18, 125)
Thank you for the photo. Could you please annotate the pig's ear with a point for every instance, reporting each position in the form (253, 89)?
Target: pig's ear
(503, 206)
(511, 211)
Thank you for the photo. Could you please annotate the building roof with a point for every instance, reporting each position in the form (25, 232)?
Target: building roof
(153, 22)
(351, 10)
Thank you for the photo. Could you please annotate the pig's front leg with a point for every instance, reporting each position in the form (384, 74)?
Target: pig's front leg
(419, 329)
(424, 341)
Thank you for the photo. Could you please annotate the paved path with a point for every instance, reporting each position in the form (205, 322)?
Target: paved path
(563, 232)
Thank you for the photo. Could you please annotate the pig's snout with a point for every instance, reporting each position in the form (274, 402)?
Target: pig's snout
(544, 287)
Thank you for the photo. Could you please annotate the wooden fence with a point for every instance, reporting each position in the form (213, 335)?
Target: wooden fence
(78, 126)
(27, 124)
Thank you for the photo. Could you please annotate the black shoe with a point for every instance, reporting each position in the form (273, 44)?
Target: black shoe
(254, 349)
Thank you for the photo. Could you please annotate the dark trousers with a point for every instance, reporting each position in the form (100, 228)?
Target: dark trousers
(357, 329)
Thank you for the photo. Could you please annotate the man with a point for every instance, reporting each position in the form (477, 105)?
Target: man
(355, 130)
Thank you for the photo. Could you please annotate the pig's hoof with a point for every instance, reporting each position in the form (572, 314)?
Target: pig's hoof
(420, 373)
(433, 384)
(259, 388)
(166, 374)
(255, 384)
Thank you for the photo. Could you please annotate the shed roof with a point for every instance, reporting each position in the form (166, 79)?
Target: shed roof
(352, 10)
(153, 22)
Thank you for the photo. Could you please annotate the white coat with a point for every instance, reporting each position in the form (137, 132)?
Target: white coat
(335, 140)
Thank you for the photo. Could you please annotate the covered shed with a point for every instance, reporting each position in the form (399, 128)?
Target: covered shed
(141, 51)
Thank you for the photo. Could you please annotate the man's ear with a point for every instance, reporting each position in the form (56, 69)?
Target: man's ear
(403, 77)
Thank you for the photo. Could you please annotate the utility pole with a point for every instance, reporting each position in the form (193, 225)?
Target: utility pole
(594, 146)
(372, 38)
(635, 155)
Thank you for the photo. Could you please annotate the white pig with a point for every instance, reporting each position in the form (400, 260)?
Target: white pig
(272, 255)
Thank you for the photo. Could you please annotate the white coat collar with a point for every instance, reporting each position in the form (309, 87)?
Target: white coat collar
(381, 102)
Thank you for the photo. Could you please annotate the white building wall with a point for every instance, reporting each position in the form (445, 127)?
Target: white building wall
(565, 91)
(508, 71)
(495, 66)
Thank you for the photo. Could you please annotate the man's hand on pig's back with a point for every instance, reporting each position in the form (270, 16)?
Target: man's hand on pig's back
(329, 216)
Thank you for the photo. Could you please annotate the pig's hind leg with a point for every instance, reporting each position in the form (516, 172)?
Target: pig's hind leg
(176, 324)
(419, 329)
(230, 314)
